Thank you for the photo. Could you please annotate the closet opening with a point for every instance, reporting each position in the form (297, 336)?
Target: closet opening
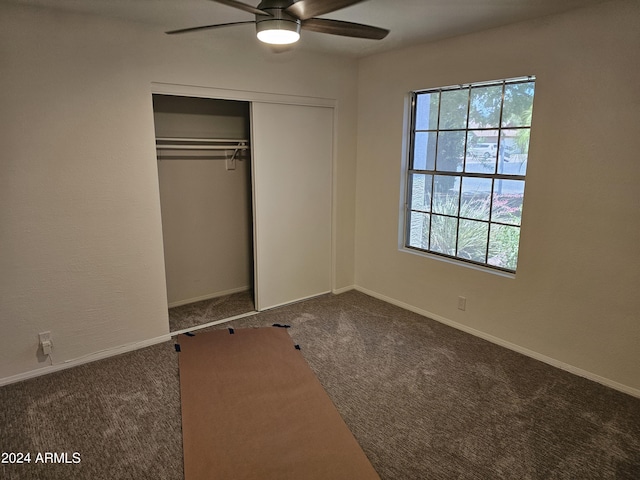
(204, 173)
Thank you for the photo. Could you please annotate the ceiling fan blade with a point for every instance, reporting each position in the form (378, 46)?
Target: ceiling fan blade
(305, 9)
(346, 29)
(207, 27)
(242, 6)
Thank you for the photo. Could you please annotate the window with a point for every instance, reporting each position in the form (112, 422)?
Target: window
(466, 171)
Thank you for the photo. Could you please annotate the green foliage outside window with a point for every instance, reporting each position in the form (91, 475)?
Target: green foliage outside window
(467, 171)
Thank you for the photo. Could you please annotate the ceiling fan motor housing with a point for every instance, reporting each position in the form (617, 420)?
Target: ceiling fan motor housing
(278, 22)
(279, 19)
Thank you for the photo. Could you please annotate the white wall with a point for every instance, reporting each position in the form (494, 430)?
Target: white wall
(80, 236)
(574, 298)
(81, 241)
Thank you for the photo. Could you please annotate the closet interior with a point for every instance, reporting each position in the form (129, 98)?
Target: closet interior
(204, 172)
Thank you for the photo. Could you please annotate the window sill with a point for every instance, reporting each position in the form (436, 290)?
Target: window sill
(459, 263)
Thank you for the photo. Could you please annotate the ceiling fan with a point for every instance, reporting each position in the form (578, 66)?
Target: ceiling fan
(278, 22)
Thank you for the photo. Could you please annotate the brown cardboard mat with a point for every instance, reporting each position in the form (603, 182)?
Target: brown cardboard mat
(253, 409)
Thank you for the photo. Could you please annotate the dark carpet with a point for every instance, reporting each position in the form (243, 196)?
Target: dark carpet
(205, 311)
(425, 401)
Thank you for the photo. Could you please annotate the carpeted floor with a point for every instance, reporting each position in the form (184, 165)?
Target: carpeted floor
(425, 401)
(219, 308)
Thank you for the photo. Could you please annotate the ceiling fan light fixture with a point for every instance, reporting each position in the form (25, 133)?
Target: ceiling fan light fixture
(278, 22)
(278, 32)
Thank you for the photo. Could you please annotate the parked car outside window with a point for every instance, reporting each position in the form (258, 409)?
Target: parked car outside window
(484, 150)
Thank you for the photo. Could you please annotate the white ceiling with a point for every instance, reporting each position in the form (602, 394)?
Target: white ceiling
(410, 21)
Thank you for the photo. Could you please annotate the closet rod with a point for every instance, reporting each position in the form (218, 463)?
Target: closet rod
(202, 147)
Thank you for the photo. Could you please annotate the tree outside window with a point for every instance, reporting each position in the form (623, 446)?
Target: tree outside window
(466, 176)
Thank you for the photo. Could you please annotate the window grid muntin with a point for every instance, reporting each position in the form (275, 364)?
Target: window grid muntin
(494, 176)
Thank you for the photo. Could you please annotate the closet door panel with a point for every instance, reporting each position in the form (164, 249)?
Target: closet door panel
(292, 149)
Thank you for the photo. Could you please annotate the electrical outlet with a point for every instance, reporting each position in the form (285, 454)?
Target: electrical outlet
(462, 303)
(45, 342)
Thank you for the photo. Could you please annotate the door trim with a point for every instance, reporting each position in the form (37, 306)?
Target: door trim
(227, 94)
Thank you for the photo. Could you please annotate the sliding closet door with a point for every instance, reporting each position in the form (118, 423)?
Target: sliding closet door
(292, 149)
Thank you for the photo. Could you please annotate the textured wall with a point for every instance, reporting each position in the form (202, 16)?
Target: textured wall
(574, 297)
(81, 231)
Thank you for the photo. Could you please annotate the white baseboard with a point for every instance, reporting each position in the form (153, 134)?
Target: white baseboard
(503, 343)
(209, 296)
(498, 341)
(215, 322)
(338, 291)
(291, 302)
(92, 357)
